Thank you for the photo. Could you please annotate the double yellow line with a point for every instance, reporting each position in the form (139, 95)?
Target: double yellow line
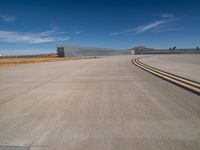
(180, 81)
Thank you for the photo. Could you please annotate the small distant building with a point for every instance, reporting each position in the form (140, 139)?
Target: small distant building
(61, 51)
(132, 51)
(72, 50)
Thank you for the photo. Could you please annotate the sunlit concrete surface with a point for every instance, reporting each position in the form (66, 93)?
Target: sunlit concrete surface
(103, 104)
(185, 65)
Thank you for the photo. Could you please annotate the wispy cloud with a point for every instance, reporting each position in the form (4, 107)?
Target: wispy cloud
(41, 37)
(166, 27)
(8, 18)
(167, 15)
(116, 33)
(25, 51)
(78, 32)
(154, 26)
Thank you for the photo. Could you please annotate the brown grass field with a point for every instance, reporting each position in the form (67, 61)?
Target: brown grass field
(6, 61)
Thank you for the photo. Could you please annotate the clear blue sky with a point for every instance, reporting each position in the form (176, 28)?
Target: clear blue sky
(31, 26)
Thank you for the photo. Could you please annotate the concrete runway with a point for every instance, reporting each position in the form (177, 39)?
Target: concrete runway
(97, 104)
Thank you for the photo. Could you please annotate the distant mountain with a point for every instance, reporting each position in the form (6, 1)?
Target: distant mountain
(140, 49)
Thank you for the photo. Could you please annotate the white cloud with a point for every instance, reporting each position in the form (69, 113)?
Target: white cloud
(8, 18)
(167, 15)
(41, 37)
(122, 32)
(116, 33)
(25, 51)
(78, 32)
(153, 26)
(165, 29)
(54, 31)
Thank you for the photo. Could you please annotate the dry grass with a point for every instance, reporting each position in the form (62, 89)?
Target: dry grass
(21, 60)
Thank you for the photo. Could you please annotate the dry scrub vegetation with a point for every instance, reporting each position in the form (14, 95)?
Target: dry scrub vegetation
(19, 60)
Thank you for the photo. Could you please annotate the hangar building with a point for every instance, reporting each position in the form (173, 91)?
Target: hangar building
(72, 50)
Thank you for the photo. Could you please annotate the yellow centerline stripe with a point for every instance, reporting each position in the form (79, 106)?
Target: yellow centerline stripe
(179, 78)
(168, 78)
(184, 80)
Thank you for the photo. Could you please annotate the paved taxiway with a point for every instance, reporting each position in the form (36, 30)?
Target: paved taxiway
(187, 66)
(105, 103)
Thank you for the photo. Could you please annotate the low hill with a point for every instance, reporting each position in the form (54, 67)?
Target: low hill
(139, 49)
